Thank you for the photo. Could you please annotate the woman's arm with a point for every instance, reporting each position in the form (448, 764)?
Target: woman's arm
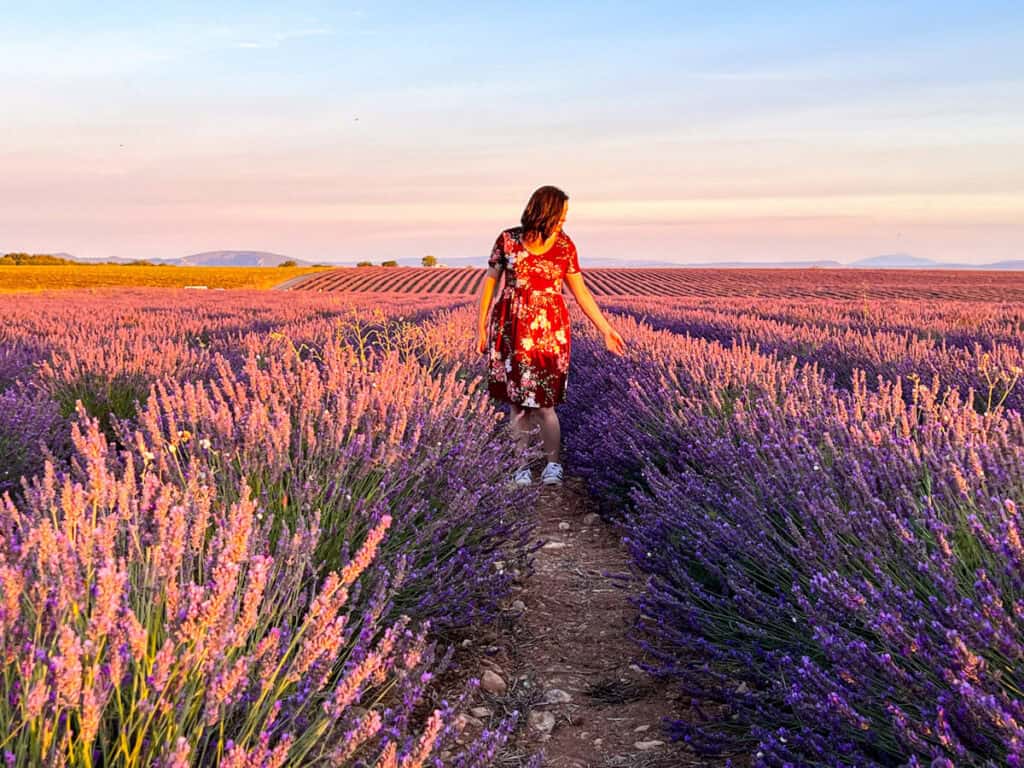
(486, 294)
(586, 301)
(496, 264)
(612, 340)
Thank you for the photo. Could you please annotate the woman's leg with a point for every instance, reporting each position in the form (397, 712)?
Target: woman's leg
(520, 426)
(550, 432)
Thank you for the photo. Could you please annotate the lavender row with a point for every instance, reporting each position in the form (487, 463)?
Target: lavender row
(984, 357)
(957, 323)
(107, 349)
(833, 574)
(252, 564)
(140, 334)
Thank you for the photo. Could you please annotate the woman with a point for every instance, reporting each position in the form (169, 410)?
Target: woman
(528, 328)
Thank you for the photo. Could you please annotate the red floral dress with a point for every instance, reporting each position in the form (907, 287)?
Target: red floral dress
(528, 327)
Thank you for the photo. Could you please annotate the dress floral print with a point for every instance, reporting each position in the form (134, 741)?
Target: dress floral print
(528, 327)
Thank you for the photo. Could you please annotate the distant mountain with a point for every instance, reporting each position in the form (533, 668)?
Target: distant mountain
(822, 264)
(605, 262)
(904, 261)
(210, 259)
(896, 261)
(235, 259)
(1012, 264)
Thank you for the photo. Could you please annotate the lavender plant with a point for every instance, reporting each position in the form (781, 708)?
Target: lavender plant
(256, 569)
(144, 624)
(832, 572)
(31, 430)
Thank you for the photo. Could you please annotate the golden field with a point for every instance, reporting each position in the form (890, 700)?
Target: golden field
(17, 279)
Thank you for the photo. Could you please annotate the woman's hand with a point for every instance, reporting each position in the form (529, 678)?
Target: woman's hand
(613, 342)
(481, 341)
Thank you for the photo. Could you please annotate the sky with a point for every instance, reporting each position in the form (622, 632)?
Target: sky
(683, 132)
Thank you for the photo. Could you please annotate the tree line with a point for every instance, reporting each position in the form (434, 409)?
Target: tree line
(426, 261)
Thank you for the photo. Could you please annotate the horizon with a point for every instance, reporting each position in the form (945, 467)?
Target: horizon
(341, 133)
(888, 261)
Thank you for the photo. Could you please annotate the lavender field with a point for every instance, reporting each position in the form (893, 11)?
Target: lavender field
(245, 523)
(824, 497)
(241, 529)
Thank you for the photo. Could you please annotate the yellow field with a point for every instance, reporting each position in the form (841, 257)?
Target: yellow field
(16, 279)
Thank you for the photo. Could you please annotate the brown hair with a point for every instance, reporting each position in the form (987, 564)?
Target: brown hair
(542, 212)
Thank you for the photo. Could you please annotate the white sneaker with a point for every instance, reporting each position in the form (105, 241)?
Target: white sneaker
(523, 476)
(552, 474)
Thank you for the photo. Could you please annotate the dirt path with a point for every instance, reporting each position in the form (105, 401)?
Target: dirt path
(564, 658)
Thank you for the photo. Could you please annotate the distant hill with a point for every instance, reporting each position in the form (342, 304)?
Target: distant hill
(210, 259)
(896, 261)
(237, 259)
(823, 264)
(905, 261)
(1012, 264)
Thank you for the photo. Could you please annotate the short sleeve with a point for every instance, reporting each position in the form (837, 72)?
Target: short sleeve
(497, 258)
(573, 267)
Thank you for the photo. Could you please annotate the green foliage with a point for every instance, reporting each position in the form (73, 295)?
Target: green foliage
(364, 264)
(36, 259)
(105, 399)
(429, 261)
(288, 263)
(389, 263)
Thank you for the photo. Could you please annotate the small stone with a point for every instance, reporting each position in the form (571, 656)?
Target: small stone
(462, 720)
(499, 565)
(598, 742)
(563, 526)
(641, 728)
(636, 668)
(492, 682)
(556, 696)
(590, 518)
(643, 746)
(742, 688)
(467, 643)
(481, 712)
(554, 545)
(518, 606)
(541, 721)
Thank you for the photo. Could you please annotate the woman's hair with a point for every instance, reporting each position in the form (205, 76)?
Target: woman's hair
(542, 212)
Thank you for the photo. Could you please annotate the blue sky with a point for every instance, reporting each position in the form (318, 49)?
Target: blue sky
(340, 131)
